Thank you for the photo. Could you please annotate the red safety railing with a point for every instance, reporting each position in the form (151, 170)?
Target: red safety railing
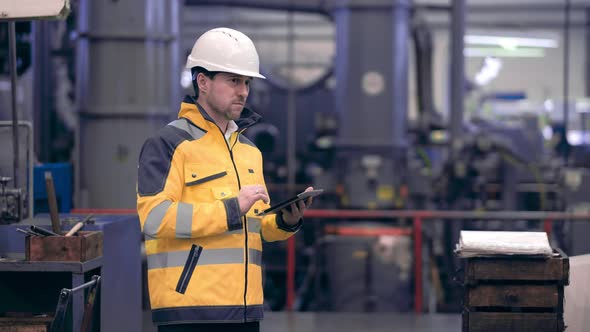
(417, 216)
(104, 211)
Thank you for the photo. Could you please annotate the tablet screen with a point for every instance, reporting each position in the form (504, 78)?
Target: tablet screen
(301, 196)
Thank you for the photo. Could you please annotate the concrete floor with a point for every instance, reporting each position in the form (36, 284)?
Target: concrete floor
(373, 322)
(353, 322)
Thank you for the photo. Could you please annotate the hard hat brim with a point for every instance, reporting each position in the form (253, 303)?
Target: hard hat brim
(191, 63)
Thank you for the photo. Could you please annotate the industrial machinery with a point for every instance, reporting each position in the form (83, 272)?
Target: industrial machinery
(371, 156)
(364, 149)
(11, 202)
(16, 185)
(30, 287)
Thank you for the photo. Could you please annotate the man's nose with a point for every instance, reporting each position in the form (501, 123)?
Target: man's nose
(243, 90)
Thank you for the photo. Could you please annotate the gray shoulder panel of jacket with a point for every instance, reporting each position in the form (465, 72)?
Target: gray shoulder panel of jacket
(186, 125)
(245, 140)
(155, 159)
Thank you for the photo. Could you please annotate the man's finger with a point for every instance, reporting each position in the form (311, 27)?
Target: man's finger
(302, 206)
(294, 209)
(263, 196)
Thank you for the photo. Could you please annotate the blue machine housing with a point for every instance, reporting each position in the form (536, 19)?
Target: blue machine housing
(121, 290)
(62, 179)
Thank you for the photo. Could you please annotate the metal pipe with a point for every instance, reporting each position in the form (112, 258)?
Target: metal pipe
(175, 58)
(497, 8)
(291, 111)
(290, 273)
(148, 33)
(548, 226)
(129, 37)
(94, 280)
(512, 25)
(42, 85)
(288, 5)
(566, 76)
(399, 94)
(423, 54)
(322, 7)
(450, 215)
(418, 265)
(291, 157)
(82, 92)
(587, 28)
(13, 74)
(457, 73)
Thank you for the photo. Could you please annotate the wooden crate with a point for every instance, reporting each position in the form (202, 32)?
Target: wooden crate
(79, 248)
(514, 294)
(25, 324)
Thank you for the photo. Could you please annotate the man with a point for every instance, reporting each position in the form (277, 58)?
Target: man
(200, 186)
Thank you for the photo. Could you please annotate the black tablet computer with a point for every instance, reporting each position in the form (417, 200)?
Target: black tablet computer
(301, 196)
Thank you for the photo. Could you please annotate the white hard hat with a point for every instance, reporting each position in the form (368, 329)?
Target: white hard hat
(227, 50)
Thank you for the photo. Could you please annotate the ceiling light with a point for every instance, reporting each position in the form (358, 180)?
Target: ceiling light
(510, 42)
(501, 52)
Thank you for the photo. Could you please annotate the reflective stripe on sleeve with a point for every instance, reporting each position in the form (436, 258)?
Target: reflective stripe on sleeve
(155, 218)
(184, 221)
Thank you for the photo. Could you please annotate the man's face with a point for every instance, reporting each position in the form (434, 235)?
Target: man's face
(227, 94)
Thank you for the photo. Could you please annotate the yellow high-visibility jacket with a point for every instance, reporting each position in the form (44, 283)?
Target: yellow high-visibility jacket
(201, 265)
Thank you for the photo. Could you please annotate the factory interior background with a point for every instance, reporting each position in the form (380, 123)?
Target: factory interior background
(419, 119)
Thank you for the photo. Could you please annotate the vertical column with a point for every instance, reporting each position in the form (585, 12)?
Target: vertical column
(587, 51)
(372, 98)
(290, 272)
(43, 81)
(418, 264)
(371, 71)
(128, 75)
(457, 72)
(566, 76)
(400, 64)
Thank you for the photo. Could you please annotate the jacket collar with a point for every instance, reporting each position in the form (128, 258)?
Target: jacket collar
(195, 113)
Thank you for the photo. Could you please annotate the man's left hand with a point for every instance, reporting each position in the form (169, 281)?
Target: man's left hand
(292, 216)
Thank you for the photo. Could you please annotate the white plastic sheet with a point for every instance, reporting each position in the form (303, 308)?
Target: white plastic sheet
(486, 243)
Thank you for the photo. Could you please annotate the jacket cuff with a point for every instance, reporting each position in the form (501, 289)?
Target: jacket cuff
(286, 227)
(232, 212)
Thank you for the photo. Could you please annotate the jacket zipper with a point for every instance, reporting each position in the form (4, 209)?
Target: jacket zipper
(245, 244)
(189, 268)
(231, 155)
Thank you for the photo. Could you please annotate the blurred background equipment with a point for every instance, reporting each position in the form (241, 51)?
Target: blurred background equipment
(16, 198)
(456, 115)
(34, 268)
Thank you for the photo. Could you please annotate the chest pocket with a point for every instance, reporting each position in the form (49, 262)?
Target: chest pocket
(195, 176)
(200, 182)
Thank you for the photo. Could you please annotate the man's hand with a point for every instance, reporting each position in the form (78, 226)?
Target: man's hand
(249, 195)
(293, 215)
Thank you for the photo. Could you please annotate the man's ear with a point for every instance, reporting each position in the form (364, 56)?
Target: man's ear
(203, 82)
